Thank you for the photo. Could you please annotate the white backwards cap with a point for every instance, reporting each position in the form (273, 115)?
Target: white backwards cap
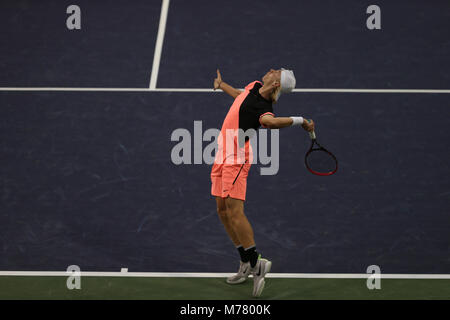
(287, 81)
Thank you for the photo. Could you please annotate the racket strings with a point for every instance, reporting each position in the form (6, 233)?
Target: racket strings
(319, 160)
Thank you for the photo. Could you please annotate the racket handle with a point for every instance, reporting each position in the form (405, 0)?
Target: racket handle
(312, 135)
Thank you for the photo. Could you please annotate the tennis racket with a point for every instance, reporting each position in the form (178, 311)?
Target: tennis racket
(318, 160)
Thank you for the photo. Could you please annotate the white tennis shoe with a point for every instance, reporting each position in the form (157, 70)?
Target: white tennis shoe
(242, 275)
(259, 272)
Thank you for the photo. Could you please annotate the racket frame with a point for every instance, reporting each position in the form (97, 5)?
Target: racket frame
(312, 135)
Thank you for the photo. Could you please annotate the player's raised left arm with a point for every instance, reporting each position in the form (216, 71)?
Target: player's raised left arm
(219, 84)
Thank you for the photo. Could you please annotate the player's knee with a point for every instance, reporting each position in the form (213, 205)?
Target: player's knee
(222, 212)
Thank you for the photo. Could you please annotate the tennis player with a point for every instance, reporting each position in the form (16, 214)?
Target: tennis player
(251, 109)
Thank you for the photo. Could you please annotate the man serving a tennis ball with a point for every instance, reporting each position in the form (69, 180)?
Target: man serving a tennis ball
(251, 109)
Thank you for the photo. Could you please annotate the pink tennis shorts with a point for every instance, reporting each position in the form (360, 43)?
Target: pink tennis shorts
(230, 180)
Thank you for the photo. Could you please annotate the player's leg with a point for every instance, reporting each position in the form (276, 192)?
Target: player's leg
(244, 265)
(259, 267)
(217, 185)
(234, 179)
(226, 221)
(239, 222)
(217, 191)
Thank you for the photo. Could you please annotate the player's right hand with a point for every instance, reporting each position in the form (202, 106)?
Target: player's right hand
(218, 80)
(308, 125)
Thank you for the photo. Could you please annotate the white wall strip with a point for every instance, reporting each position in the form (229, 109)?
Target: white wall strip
(306, 90)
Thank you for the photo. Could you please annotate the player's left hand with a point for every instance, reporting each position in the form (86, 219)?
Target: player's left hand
(218, 80)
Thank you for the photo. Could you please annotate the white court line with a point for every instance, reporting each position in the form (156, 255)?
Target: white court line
(375, 90)
(311, 90)
(159, 43)
(222, 275)
(76, 89)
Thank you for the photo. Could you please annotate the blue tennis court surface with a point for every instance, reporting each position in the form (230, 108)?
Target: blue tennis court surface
(86, 177)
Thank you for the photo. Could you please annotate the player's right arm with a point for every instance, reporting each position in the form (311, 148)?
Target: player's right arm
(271, 122)
(219, 84)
